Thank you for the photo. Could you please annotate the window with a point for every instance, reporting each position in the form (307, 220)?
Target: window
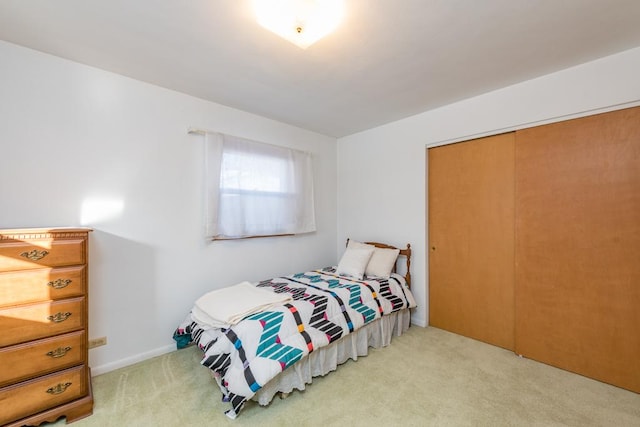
(256, 189)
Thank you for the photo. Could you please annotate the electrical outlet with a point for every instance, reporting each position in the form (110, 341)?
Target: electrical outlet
(97, 342)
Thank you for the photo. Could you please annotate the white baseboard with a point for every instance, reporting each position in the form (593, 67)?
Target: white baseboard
(419, 322)
(108, 367)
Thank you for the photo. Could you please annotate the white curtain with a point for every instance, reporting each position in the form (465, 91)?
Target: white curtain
(257, 189)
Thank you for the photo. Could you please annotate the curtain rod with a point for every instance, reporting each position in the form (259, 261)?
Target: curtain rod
(198, 131)
(192, 130)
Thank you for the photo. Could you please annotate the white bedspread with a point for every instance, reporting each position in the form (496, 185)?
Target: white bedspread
(225, 307)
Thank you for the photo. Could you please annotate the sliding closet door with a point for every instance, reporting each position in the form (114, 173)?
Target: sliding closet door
(578, 246)
(471, 238)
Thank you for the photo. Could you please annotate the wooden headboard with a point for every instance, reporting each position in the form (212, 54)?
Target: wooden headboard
(403, 253)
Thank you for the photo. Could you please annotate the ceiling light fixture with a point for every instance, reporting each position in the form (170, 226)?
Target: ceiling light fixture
(302, 22)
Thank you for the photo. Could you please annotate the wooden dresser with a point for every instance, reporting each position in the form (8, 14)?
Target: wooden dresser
(44, 372)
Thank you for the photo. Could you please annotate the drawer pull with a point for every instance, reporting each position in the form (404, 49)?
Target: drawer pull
(34, 255)
(59, 317)
(60, 388)
(60, 283)
(58, 352)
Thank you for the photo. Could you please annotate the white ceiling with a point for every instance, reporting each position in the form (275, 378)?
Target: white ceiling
(388, 60)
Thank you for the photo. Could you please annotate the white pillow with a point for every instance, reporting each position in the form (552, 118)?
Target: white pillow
(354, 262)
(359, 245)
(382, 262)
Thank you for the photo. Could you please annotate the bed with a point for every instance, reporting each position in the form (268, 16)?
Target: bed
(276, 335)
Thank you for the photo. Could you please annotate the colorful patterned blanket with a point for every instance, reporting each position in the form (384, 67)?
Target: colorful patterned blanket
(325, 308)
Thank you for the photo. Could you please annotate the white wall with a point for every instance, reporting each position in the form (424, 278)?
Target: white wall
(72, 137)
(382, 171)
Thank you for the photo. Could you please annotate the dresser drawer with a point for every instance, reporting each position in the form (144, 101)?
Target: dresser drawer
(29, 397)
(33, 321)
(43, 284)
(27, 254)
(41, 357)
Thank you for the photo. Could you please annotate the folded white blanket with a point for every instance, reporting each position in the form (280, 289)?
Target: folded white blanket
(227, 306)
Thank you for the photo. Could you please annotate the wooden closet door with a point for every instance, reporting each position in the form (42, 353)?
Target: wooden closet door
(471, 238)
(578, 246)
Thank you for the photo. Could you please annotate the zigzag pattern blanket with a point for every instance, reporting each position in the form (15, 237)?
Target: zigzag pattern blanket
(325, 308)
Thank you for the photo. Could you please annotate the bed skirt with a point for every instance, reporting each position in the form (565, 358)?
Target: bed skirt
(326, 359)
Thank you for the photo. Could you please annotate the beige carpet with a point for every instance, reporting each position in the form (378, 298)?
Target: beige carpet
(427, 377)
